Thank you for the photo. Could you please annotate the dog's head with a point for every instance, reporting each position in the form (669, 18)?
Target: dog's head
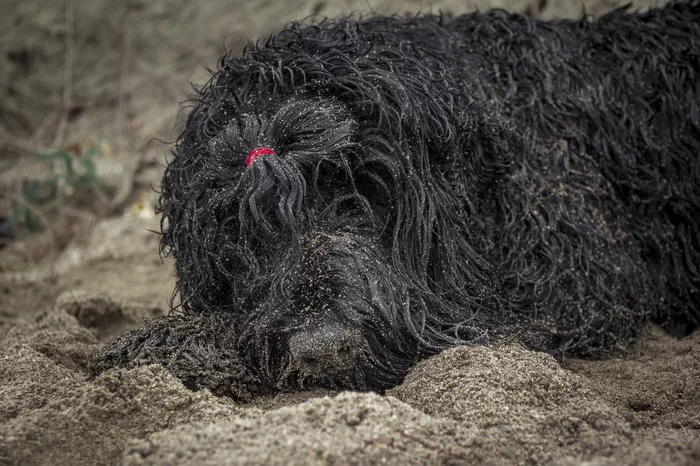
(301, 197)
(292, 241)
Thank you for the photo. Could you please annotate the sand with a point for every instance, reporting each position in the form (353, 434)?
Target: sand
(503, 405)
(94, 272)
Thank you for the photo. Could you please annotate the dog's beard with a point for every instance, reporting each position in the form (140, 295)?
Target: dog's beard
(341, 281)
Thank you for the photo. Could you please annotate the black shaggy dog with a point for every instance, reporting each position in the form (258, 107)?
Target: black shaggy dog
(357, 194)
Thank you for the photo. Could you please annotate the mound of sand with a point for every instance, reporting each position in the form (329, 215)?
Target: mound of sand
(505, 405)
(54, 414)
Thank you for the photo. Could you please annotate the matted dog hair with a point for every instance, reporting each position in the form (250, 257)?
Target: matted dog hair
(390, 187)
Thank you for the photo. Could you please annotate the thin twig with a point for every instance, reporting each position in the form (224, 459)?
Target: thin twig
(42, 128)
(67, 75)
(124, 71)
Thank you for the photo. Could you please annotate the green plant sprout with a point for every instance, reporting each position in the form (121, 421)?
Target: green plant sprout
(78, 172)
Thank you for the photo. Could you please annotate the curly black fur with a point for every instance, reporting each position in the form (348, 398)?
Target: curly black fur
(199, 349)
(443, 181)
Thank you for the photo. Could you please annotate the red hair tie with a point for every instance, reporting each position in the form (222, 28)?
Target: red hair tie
(255, 153)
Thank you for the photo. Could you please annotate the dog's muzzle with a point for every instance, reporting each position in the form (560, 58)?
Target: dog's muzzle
(326, 350)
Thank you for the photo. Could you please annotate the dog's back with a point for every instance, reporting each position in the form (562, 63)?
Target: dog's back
(611, 110)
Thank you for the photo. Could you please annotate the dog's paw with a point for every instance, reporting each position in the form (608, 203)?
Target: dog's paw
(200, 350)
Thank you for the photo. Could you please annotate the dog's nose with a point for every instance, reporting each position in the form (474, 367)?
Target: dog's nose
(326, 350)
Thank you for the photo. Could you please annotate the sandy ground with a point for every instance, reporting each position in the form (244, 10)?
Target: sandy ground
(94, 272)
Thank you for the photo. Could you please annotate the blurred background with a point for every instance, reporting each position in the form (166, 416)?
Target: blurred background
(90, 98)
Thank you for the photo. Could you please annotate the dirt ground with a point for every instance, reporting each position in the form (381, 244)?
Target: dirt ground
(76, 74)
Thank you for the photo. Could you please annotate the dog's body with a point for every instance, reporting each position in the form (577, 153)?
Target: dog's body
(439, 182)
